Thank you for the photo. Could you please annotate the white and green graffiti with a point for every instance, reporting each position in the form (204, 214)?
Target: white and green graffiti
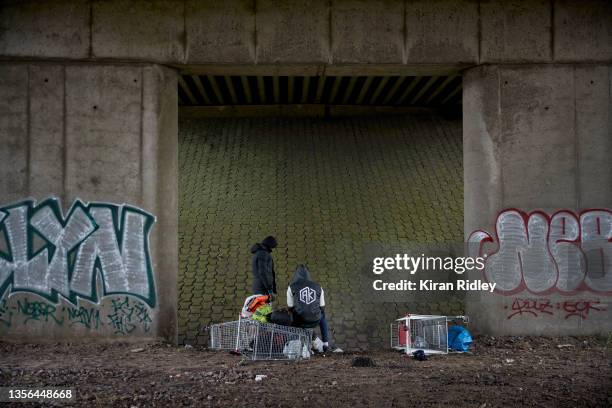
(95, 239)
(88, 269)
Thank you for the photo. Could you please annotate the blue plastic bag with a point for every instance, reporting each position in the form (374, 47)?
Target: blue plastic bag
(459, 339)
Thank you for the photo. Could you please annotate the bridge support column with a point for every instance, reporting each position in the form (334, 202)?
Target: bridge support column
(539, 137)
(104, 134)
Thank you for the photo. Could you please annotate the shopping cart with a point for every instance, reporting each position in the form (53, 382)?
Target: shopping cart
(261, 341)
(422, 332)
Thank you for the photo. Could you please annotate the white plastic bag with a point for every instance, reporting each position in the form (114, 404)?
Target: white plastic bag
(317, 345)
(293, 349)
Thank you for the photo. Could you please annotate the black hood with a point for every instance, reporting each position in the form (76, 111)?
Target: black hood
(269, 242)
(301, 273)
(259, 247)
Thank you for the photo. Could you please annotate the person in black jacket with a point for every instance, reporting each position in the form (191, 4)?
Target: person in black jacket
(306, 301)
(264, 277)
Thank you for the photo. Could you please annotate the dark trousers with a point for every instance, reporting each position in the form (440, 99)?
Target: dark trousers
(323, 327)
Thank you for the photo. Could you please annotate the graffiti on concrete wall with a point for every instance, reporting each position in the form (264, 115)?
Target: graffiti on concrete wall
(98, 251)
(6, 315)
(562, 253)
(109, 238)
(124, 315)
(538, 307)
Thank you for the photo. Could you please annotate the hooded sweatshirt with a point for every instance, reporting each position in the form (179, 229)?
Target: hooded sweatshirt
(305, 297)
(264, 277)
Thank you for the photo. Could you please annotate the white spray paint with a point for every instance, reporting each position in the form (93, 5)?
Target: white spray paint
(124, 268)
(596, 243)
(541, 254)
(118, 252)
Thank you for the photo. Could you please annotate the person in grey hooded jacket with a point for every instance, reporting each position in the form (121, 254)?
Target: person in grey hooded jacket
(306, 301)
(264, 277)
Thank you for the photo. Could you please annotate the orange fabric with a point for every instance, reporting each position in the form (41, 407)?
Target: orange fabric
(257, 302)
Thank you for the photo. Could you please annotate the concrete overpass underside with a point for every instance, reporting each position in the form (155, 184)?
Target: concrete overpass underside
(92, 92)
(398, 91)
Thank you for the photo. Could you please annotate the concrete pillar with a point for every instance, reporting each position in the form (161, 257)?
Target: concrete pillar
(89, 189)
(537, 175)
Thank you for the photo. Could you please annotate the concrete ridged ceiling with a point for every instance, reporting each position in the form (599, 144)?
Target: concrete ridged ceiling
(417, 91)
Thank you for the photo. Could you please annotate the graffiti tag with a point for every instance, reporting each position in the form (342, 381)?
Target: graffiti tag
(539, 307)
(109, 239)
(88, 317)
(127, 316)
(6, 314)
(542, 254)
(41, 311)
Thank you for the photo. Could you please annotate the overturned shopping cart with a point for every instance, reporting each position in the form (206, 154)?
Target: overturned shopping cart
(261, 341)
(422, 332)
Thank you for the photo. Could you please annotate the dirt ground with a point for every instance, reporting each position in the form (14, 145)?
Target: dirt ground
(506, 371)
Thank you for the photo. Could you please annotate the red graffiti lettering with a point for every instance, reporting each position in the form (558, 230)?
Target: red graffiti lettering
(537, 307)
(531, 306)
(580, 308)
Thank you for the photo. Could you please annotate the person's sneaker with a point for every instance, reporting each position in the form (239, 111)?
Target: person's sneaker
(325, 349)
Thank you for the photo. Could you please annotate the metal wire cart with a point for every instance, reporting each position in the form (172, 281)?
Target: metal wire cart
(422, 332)
(261, 341)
